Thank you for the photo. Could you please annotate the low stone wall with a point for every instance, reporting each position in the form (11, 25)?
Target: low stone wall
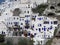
(14, 39)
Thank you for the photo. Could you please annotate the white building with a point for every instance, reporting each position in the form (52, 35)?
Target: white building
(17, 15)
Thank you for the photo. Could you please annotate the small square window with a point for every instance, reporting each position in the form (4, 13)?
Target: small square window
(44, 29)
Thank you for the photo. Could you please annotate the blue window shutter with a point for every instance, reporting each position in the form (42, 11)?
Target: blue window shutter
(44, 29)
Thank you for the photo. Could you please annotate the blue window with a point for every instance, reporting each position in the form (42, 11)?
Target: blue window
(39, 24)
(44, 29)
(16, 23)
(3, 32)
(39, 29)
(33, 26)
(39, 18)
(35, 16)
(50, 28)
(55, 22)
(46, 22)
(27, 21)
(34, 33)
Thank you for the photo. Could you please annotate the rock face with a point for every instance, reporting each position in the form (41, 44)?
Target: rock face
(58, 32)
(14, 40)
(53, 1)
(56, 41)
(16, 12)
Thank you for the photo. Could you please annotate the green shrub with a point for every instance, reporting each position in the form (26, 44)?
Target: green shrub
(2, 39)
(25, 41)
(40, 8)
